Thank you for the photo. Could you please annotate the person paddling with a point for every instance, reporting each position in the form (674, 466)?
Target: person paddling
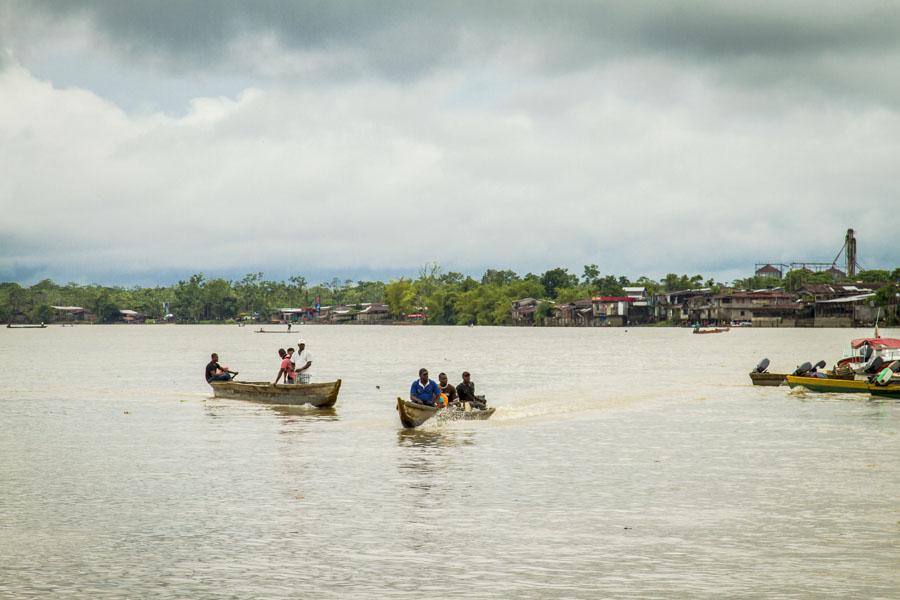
(216, 372)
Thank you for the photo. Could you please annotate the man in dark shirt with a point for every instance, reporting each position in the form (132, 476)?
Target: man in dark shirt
(466, 392)
(447, 389)
(216, 372)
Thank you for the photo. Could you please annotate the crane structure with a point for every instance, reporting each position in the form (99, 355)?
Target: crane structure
(850, 264)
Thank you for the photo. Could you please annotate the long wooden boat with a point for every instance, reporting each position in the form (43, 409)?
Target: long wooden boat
(844, 386)
(25, 326)
(412, 414)
(713, 330)
(270, 331)
(319, 395)
(775, 379)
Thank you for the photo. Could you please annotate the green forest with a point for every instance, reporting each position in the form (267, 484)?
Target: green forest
(448, 298)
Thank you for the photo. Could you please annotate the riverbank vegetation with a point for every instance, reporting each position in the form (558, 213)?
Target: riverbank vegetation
(446, 297)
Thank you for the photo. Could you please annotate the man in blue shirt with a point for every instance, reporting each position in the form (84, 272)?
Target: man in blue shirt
(424, 390)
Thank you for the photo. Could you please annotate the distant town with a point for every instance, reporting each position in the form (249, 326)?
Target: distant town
(556, 298)
(799, 294)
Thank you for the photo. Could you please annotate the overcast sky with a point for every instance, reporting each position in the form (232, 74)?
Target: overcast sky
(141, 141)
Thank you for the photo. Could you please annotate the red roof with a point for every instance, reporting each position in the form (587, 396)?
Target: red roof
(877, 343)
(614, 299)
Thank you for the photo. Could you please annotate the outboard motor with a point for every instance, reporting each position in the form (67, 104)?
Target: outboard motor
(819, 365)
(762, 366)
(886, 374)
(803, 369)
(868, 351)
(875, 366)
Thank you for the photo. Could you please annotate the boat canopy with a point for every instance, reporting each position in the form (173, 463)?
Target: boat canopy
(877, 343)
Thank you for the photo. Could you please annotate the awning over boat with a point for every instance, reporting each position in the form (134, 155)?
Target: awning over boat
(877, 343)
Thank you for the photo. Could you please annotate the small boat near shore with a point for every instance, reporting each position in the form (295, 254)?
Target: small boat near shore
(25, 326)
(412, 415)
(866, 351)
(776, 379)
(319, 395)
(270, 331)
(771, 379)
(761, 375)
(711, 329)
(845, 386)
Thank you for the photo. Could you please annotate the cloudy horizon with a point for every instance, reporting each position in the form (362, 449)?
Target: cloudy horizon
(143, 142)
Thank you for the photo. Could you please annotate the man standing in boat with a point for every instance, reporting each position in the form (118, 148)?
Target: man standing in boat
(424, 390)
(466, 392)
(287, 368)
(303, 361)
(216, 372)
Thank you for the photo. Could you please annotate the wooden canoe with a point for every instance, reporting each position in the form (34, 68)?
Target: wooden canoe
(714, 330)
(775, 379)
(844, 386)
(319, 395)
(412, 414)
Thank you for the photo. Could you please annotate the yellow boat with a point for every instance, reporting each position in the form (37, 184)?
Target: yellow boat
(845, 386)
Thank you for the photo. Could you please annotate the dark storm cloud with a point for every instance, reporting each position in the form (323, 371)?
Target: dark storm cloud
(402, 39)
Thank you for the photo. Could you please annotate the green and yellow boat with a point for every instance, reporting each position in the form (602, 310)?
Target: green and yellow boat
(844, 386)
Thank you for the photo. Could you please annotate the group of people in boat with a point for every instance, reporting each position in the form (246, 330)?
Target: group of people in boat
(425, 391)
(294, 365)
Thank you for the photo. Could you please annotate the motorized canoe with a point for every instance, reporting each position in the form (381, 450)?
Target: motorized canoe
(270, 331)
(775, 379)
(844, 386)
(319, 395)
(412, 414)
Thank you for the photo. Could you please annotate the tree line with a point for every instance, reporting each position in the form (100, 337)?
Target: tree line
(448, 298)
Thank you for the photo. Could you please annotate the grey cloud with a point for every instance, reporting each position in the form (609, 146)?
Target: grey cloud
(407, 37)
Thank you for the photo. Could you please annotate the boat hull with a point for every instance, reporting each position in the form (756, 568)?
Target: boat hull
(413, 415)
(844, 386)
(771, 379)
(775, 379)
(319, 395)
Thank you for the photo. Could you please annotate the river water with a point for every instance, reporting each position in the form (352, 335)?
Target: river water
(634, 463)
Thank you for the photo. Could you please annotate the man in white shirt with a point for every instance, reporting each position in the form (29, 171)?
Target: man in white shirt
(303, 361)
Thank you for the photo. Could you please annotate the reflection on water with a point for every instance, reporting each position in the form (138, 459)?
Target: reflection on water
(432, 438)
(592, 480)
(292, 413)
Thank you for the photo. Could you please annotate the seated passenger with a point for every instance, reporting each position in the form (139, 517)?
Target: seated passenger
(447, 390)
(216, 372)
(424, 390)
(466, 392)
